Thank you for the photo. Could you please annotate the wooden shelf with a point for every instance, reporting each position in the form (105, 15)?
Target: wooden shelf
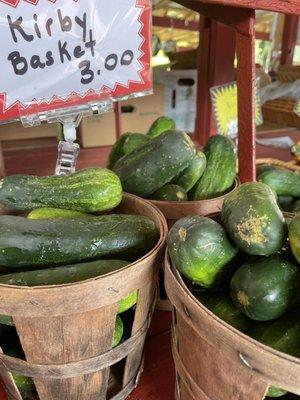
(283, 6)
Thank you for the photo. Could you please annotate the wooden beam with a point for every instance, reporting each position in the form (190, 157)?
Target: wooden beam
(246, 75)
(289, 39)
(176, 23)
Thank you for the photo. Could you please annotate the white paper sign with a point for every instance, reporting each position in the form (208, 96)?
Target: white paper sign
(72, 49)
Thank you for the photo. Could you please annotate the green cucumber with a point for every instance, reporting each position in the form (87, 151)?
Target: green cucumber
(253, 219)
(170, 192)
(200, 249)
(223, 307)
(284, 183)
(260, 169)
(190, 176)
(56, 213)
(219, 175)
(89, 190)
(42, 243)
(294, 236)
(161, 125)
(133, 141)
(266, 288)
(117, 151)
(118, 332)
(285, 202)
(156, 163)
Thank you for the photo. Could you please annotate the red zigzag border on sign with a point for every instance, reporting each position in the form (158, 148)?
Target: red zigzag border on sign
(14, 3)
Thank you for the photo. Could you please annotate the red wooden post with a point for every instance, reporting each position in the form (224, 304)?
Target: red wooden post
(245, 37)
(289, 38)
(215, 67)
(118, 118)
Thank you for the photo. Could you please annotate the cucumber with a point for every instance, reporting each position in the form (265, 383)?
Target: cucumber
(200, 249)
(56, 213)
(190, 176)
(284, 183)
(285, 202)
(118, 332)
(296, 206)
(156, 163)
(90, 190)
(264, 289)
(42, 243)
(161, 125)
(253, 219)
(133, 141)
(170, 193)
(260, 169)
(117, 151)
(219, 175)
(294, 236)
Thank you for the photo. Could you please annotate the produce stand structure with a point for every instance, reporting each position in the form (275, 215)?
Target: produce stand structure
(240, 15)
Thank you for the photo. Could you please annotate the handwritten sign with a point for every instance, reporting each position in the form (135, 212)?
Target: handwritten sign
(56, 53)
(297, 108)
(224, 100)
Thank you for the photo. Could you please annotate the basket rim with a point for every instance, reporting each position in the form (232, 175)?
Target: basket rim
(88, 284)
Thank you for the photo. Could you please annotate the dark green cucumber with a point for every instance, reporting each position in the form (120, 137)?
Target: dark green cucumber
(266, 288)
(117, 151)
(253, 219)
(284, 183)
(219, 175)
(170, 192)
(200, 249)
(294, 236)
(282, 335)
(161, 125)
(56, 213)
(260, 169)
(156, 163)
(223, 307)
(89, 190)
(190, 176)
(285, 202)
(133, 141)
(29, 243)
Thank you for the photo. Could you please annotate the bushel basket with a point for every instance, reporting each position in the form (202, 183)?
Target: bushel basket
(66, 331)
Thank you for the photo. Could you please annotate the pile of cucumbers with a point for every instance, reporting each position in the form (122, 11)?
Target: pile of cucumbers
(245, 266)
(164, 165)
(285, 183)
(61, 235)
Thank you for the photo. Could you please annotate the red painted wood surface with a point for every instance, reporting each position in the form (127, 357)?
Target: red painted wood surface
(289, 39)
(175, 23)
(283, 6)
(246, 76)
(215, 67)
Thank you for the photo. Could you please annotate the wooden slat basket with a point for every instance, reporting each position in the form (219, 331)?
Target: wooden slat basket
(281, 111)
(173, 211)
(213, 360)
(66, 331)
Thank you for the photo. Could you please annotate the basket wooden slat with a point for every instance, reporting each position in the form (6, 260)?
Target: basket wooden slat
(288, 73)
(66, 331)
